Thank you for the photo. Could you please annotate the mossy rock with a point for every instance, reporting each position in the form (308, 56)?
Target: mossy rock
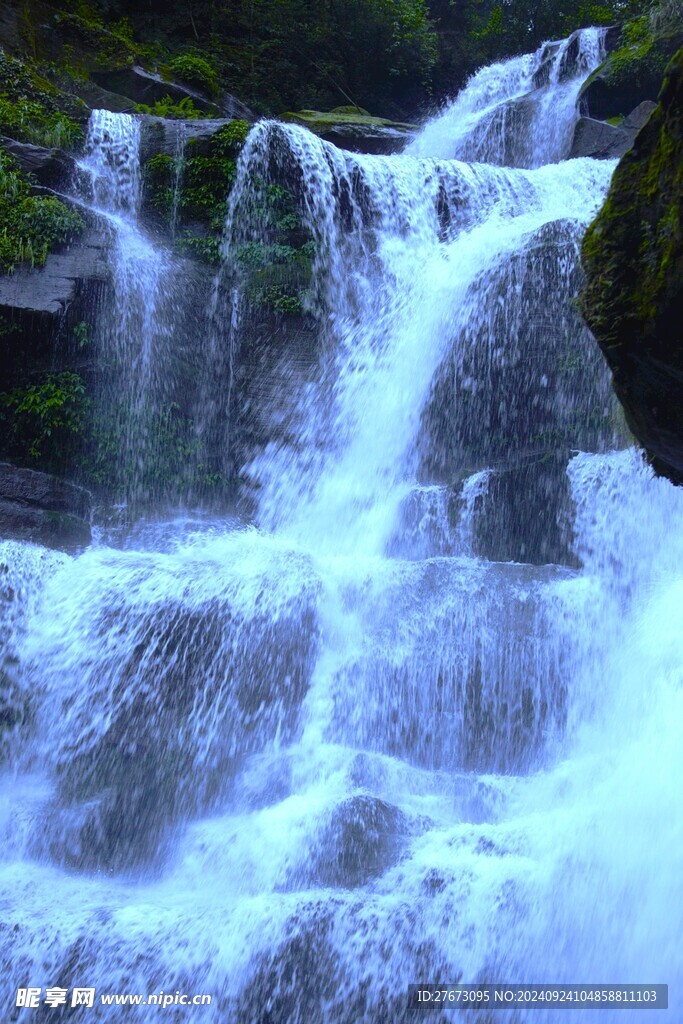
(633, 300)
(355, 129)
(632, 73)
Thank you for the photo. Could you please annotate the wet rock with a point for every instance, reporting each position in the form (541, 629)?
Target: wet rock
(629, 76)
(142, 86)
(52, 288)
(51, 167)
(41, 508)
(601, 140)
(163, 135)
(529, 381)
(639, 117)
(524, 513)
(159, 726)
(362, 839)
(633, 300)
(354, 129)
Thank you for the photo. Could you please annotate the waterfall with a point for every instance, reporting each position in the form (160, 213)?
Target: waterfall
(142, 335)
(418, 719)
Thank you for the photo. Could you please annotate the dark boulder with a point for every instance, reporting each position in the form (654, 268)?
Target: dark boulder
(164, 135)
(526, 380)
(601, 140)
(362, 839)
(41, 508)
(633, 300)
(50, 167)
(630, 75)
(354, 129)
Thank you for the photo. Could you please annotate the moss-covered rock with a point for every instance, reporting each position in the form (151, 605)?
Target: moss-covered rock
(355, 129)
(632, 72)
(633, 300)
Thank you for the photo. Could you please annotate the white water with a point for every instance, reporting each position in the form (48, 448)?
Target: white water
(136, 335)
(300, 765)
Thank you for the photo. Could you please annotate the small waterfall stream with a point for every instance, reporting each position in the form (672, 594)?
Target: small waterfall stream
(301, 762)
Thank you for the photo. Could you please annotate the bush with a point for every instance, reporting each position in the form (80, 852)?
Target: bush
(166, 107)
(194, 70)
(51, 413)
(30, 226)
(29, 121)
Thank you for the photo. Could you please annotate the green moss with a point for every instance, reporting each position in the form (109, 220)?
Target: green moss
(321, 121)
(30, 226)
(633, 256)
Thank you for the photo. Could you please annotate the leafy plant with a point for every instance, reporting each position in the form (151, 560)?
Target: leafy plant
(29, 121)
(34, 414)
(30, 226)
(206, 248)
(194, 70)
(166, 107)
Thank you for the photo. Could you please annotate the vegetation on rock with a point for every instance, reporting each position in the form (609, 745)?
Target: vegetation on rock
(633, 301)
(30, 225)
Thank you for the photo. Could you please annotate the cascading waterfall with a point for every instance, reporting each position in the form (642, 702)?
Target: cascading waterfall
(137, 336)
(301, 763)
(520, 113)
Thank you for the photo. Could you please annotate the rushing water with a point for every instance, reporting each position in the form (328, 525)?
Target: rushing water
(302, 763)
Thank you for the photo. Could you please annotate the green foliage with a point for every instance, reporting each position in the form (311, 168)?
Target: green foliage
(81, 334)
(206, 248)
(277, 270)
(192, 192)
(229, 139)
(43, 415)
(31, 108)
(29, 121)
(30, 226)
(194, 70)
(166, 107)
(159, 177)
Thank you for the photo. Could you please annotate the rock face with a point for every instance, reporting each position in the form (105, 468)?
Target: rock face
(40, 508)
(633, 300)
(50, 289)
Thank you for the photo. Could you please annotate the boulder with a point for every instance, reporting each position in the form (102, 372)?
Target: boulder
(51, 167)
(361, 839)
(601, 140)
(639, 117)
(524, 513)
(41, 508)
(633, 299)
(141, 86)
(354, 129)
(630, 75)
(525, 381)
(164, 135)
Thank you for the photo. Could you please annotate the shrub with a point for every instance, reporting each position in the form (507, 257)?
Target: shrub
(166, 107)
(52, 411)
(194, 70)
(30, 226)
(30, 121)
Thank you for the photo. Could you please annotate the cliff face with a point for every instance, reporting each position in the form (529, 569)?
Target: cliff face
(633, 300)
